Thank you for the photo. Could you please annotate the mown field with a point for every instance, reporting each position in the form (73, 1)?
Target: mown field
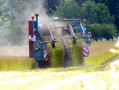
(72, 78)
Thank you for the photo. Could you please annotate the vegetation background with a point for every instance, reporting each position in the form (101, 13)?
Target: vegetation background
(102, 16)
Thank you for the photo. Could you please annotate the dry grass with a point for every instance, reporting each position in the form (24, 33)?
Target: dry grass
(14, 51)
(99, 53)
(57, 79)
(10, 63)
(98, 48)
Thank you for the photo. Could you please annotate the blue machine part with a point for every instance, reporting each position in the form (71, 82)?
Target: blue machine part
(85, 31)
(38, 50)
(39, 53)
(79, 29)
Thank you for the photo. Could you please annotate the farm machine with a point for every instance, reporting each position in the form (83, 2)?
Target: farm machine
(38, 46)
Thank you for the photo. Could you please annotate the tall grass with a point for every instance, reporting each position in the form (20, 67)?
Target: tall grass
(75, 52)
(15, 63)
(100, 59)
(99, 52)
(57, 56)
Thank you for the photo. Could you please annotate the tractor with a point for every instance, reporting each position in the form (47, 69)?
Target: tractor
(38, 47)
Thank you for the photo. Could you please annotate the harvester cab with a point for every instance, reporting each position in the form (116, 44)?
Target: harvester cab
(76, 30)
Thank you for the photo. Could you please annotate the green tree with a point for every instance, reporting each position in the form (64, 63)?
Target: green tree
(51, 5)
(80, 1)
(4, 13)
(113, 6)
(103, 14)
(68, 9)
(95, 12)
(100, 31)
(89, 11)
(11, 9)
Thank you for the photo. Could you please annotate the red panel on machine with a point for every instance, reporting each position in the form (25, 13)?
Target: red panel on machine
(30, 23)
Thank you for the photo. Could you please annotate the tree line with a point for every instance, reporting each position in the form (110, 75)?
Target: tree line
(111, 5)
(99, 13)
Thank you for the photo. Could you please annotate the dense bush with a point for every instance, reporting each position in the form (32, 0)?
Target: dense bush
(100, 31)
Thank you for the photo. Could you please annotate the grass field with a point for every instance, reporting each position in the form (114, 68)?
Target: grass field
(10, 63)
(72, 78)
(97, 48)
(16, 74)
(100, 52)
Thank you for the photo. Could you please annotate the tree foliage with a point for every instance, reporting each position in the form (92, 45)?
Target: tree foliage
(51, 5)
(4, 13)
(67, 9)
(113, 6)
(95, 13)
(100, 31)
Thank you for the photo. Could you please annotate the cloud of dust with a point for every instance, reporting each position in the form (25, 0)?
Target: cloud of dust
(31, 9)
(117, 46)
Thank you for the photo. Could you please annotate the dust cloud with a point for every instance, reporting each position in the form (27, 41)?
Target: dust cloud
(22, 48)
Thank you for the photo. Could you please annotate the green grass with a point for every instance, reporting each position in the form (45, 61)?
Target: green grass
(100, 59)
(57, 56)
(15, 63)
(75, 53)
(80, 69)
(103, 42)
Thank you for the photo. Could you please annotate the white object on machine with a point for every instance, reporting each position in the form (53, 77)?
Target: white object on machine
(40, 30)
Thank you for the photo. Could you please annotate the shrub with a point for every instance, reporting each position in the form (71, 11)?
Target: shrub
(100, 31)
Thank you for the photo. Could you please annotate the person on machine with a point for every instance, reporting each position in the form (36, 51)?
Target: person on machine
(37, 34)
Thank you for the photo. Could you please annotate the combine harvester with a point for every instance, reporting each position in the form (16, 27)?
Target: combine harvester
(38, 47)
